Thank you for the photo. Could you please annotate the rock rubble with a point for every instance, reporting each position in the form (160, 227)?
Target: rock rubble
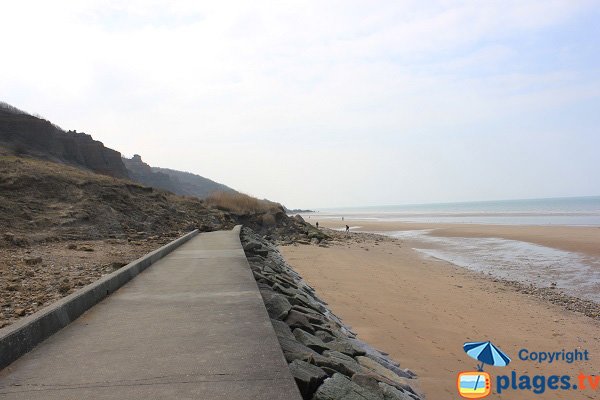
(325, 357)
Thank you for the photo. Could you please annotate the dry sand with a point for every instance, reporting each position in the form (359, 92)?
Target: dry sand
(421, 310)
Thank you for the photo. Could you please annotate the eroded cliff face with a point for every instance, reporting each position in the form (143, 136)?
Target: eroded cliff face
(27, 134)
(141, 172)
(178, 182)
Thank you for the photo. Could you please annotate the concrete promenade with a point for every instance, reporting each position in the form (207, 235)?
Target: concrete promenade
(192, 326)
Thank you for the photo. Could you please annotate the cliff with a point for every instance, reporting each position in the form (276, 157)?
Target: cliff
(182, 183)
(194, 185)
(141, 172)
(27, 134)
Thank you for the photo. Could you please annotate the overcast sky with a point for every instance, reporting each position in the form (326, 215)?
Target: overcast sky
(325, 103)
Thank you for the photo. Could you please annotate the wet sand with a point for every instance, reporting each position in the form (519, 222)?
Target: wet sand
(421, 310)
(581, 239)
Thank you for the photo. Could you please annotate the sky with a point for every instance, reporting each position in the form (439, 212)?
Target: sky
(324, 103)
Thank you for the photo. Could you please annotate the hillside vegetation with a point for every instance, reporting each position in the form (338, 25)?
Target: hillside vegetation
(49, 201)
(240, 203)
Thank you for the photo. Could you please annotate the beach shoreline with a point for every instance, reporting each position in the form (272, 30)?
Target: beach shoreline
(580, 239)
(413, 306)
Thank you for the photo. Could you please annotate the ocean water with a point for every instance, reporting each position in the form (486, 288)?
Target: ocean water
(581, 211)
(575, 274)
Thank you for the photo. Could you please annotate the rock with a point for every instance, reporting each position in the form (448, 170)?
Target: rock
(33, 260)
(308, 377)
(310, 341)
(117, 264)
(282, 329)
(72, 246)
(283, 290)
(255, 259)
(307, 311)
(409, 373)
(392, 366)
(298, 218)
(368, 382)
(392, 393)
(286, 281)
(338, 362)
(324, 336)
(338, 387)
(379, 369)
(277, 306)
(261, 252)
(16, 240)
(293, 350)
(20, 312)
(64, 287)
(251, 245)
(296, 319)
(346, 347)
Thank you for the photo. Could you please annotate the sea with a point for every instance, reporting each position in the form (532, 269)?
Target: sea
(549, 211)
(574, 273)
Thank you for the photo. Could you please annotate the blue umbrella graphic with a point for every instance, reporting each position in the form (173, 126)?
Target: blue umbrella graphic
(487, 353)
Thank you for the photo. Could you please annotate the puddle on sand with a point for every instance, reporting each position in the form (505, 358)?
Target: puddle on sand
(574, 273)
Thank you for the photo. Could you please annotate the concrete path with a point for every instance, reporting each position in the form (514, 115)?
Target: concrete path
(192, 326)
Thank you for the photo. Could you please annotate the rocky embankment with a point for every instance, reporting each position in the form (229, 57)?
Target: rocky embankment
(325, 357)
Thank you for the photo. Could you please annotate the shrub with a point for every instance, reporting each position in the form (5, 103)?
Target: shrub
(241, 203)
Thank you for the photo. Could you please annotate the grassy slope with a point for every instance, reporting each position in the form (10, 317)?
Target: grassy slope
(50, 201)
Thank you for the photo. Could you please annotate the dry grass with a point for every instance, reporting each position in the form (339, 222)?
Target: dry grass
(240, 203)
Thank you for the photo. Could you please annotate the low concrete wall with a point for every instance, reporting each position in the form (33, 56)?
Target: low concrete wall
(22, 336)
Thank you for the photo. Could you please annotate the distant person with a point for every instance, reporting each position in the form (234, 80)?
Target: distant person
(342, 218)
(317, 225)
(347, 229)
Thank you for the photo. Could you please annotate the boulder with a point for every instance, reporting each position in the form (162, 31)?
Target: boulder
(308, 377)
(338, 362)
(293, 350)
(310, 341)
(282, 329)
(324, 336)
(379, 369)
(296, 319)
(289, 292)
(338, 387)
(277, 306)
(346, 347)
(391, 365)
(368, 382)
(298, 218)
(251, 245)
(392, 393)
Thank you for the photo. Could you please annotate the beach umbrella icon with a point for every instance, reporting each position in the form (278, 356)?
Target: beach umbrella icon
(486, 353)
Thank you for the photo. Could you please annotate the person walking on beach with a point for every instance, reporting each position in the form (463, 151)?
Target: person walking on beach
(347, 229)
(317, 225)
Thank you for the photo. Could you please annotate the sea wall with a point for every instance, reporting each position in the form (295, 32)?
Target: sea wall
(325, 357)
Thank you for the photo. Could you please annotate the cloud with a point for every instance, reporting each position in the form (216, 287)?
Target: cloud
(216, 87)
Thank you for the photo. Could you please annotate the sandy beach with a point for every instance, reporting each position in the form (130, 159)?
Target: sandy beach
(421, 310)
